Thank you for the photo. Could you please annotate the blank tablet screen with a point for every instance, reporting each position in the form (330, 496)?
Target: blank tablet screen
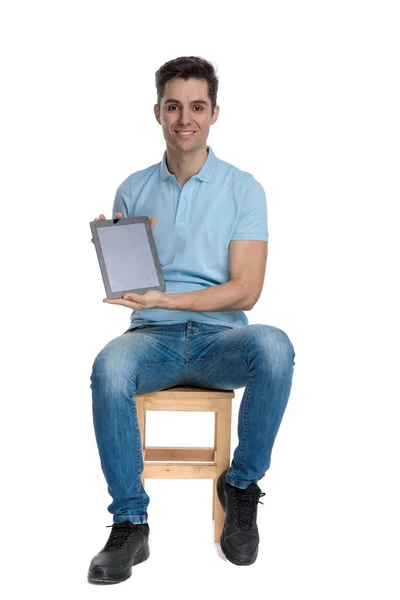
(128, 257)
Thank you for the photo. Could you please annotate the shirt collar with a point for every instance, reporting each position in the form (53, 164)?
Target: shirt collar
(205, 173)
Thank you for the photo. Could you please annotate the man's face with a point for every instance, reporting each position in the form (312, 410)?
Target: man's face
(186, 106)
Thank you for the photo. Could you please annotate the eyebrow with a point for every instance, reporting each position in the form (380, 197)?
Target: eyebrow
(177, 101)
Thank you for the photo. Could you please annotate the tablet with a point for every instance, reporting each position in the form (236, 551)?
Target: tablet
(127, 256)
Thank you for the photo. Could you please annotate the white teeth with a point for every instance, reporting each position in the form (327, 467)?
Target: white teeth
(185, 132)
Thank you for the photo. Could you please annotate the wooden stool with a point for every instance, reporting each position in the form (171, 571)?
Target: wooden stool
(200, 463)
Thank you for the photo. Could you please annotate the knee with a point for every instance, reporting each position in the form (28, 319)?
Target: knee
(285, 343)
(276, 345)
(103, 365)
(110, 372)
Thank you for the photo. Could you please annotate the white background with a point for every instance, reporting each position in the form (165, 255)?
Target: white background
(309, 104)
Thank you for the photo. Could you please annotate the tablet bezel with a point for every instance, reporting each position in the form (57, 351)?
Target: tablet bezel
(95, 225)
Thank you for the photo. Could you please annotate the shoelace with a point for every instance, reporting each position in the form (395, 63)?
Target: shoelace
(246, 506)
(119, 535)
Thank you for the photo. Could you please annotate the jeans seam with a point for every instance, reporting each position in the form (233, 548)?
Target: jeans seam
(245, 422)
(139, 449)
(188, 360)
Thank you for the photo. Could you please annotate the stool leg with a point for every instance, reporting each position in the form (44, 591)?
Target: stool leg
(141, 417)
(223, 445)
(214, 480)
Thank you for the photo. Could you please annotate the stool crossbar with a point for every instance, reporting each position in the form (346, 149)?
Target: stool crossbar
(189, 463)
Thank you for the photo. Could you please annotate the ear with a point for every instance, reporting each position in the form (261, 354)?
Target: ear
(157, 113)
(215, 115)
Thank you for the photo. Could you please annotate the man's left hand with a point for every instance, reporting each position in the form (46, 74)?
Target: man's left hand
(150, 299)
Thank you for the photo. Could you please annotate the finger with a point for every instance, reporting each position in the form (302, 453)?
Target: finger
(132, 305)
(118, 215)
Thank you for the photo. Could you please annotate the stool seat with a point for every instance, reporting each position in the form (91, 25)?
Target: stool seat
(188, 462)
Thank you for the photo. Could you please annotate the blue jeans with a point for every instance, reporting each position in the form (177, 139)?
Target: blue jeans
(155, 357)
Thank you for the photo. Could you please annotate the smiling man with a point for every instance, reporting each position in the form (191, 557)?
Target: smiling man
(186, 116)
(211, 231)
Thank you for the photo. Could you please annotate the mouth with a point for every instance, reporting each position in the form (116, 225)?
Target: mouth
(185, 134)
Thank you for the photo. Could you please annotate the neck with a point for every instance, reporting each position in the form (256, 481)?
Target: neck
(185, 164)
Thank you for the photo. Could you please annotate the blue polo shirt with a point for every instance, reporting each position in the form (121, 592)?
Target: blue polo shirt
(195, 225)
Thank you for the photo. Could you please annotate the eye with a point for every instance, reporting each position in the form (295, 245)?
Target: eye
(175, 106)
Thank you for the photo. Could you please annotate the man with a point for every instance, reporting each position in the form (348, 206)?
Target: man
(212, 240)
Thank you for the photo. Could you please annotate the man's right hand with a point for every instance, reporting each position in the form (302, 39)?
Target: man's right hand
(119, 215)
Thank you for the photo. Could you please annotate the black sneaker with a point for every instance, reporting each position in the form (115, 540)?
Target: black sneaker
(239, 536)
(127, 545)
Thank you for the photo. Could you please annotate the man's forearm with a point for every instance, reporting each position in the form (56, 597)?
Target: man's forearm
(232, 295)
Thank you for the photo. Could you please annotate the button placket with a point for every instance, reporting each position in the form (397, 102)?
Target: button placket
(182, 212)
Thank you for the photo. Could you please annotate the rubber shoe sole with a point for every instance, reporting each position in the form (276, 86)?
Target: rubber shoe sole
(101, 574)
(221, 496)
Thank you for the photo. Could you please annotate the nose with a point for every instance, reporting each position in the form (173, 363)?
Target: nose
(184, 118)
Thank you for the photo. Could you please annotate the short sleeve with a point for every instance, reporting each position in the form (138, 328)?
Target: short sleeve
(122, 201)
(253, 218)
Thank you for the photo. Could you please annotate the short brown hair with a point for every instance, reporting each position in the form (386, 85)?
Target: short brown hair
(186, 67)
